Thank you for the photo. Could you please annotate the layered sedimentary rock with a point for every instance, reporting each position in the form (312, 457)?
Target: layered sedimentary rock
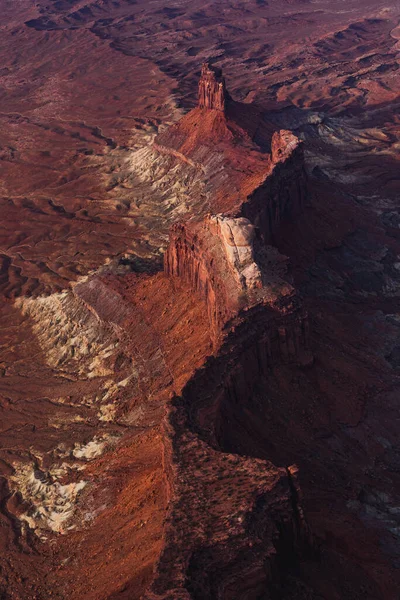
(250, 529)
(248, 515)
(218, 260)
(230, 298)
(247, 167)
(283, 192)
(237, 237)
(256, 322)
(216, 253)
(212, 90)
(197, 253)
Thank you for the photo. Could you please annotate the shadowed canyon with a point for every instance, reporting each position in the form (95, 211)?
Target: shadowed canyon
(200, 285)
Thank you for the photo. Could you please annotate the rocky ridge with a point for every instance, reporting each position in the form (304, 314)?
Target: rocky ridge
(242, 282)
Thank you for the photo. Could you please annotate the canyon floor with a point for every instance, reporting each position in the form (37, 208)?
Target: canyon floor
(150, 445)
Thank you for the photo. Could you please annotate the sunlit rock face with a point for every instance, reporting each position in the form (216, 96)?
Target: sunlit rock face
(212, 90)
(237, 236)
(283, 144)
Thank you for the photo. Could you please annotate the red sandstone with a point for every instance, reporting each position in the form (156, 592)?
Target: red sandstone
(209, 380)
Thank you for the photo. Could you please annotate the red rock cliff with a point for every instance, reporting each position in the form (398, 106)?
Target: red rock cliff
(195, 256)
(212, 90)
(242, 541)
(283, 192)
(249, 524)
(235, 287)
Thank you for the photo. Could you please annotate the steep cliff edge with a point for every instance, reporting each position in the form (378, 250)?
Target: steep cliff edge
(249, 396)
(250, 527)
(94, 174)
(218, 260)
(224, 255)
(282, 195)
(236, 519)
(250, 530)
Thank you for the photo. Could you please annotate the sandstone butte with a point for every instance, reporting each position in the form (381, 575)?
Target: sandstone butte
(204, 336)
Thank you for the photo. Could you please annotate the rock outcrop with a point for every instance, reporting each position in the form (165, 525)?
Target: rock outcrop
(256, 322)
(240, 547)
(247, 169)
(247, 529)
(250, 529)
(237, 237)
(217, 259)
(212, 90)
(282, 194)
(283, 144)
(234, 523)
(195, 255)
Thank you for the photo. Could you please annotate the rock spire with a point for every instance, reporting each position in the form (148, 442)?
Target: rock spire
(212, 90)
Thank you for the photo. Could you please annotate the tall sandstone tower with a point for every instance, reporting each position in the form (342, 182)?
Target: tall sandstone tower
(212, 89)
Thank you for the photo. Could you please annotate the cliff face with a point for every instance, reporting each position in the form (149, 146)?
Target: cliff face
(232, 529)
(235, 526)
(282, 194)
(212, 90)
(217, 259)
(256, 322)
(194, 255)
